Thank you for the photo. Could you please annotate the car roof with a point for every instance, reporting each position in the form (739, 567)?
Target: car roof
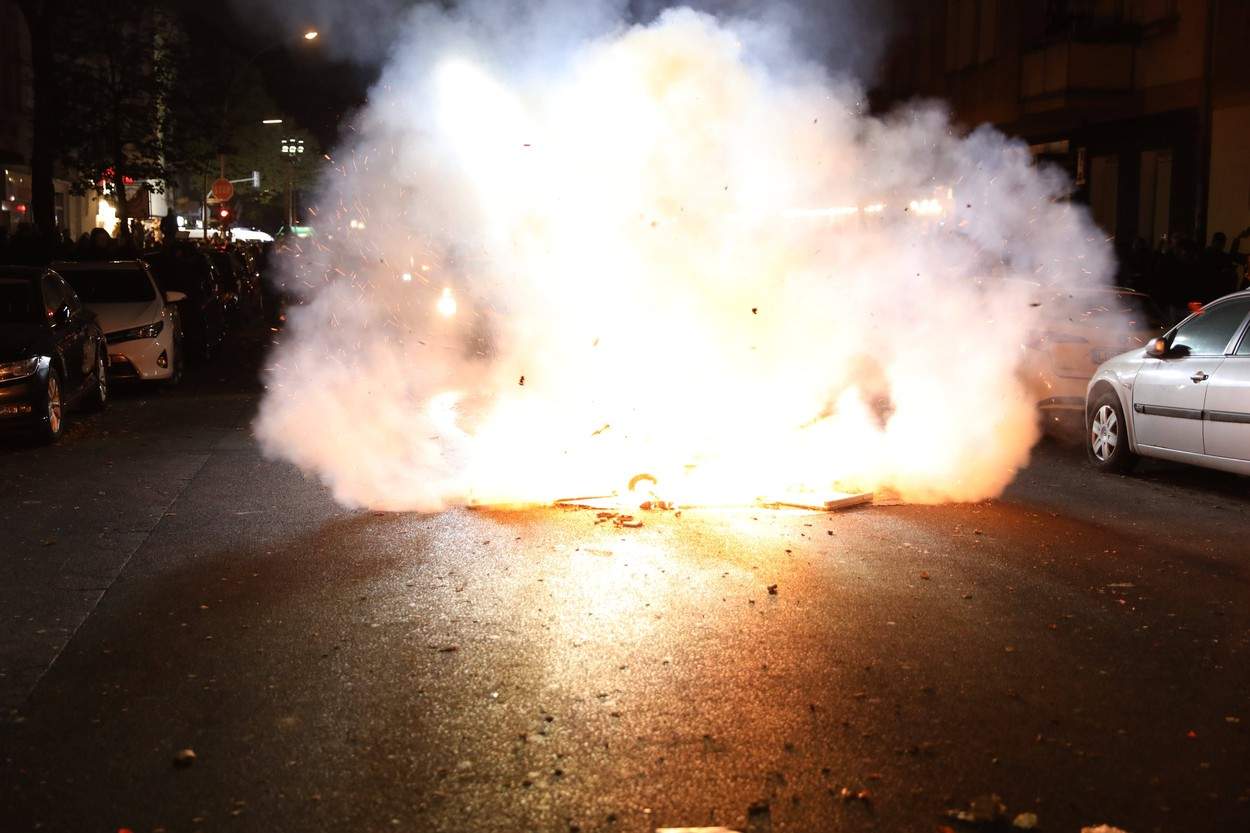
(97, 265)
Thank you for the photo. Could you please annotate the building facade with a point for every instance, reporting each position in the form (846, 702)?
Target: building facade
(75, 213)
(1146, 103)
(16, 117)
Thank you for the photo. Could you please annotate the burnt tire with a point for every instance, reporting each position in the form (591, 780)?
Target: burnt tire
(1106, 435)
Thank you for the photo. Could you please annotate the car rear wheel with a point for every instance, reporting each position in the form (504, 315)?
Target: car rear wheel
(1106, 440)
(54, 409)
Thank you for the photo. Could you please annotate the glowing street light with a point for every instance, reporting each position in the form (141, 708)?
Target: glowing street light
(271, 121)
(311, 34)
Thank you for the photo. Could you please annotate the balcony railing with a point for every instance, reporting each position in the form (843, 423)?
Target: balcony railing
(1052, 76)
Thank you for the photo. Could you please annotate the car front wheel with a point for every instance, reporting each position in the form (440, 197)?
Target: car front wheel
(54, 409)
(176, 360)
(1106, 437)
(98, 398)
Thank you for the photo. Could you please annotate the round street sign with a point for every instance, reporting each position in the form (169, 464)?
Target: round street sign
(223, 190)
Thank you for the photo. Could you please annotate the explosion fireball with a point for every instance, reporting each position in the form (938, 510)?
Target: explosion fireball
(673, 248)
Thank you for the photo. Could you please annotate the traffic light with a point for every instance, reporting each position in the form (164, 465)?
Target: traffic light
(224, 215)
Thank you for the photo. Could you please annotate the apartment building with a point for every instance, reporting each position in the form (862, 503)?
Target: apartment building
(1146, 103)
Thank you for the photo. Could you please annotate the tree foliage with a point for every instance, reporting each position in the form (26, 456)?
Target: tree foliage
(115, 67)
(148, 95)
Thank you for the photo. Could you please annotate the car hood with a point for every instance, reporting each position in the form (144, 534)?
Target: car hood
(1123, 367)
(114, 317)
(21, 341)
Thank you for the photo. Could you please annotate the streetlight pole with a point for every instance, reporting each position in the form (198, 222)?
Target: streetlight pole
(308, 36)
(293, 149)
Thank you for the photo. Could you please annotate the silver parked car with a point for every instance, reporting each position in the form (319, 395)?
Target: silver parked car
(1186, 397)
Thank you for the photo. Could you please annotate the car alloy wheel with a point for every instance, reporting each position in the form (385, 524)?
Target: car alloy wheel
(1104, 430)
(55, 406)
(101, 380)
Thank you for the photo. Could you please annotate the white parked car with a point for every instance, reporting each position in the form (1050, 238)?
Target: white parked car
(1186, 397)
(1079, 330)
(140, 323)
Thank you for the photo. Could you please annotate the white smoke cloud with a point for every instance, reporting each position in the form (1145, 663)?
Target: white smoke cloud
(677, 248)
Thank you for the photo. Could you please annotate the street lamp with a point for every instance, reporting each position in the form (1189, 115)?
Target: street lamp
(251, 61)
(292, 149)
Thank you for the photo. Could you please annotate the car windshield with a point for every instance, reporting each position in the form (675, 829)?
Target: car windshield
(110, 286)
(18, 302)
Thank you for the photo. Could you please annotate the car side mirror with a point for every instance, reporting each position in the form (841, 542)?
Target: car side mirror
(173, 296)
(1159, 349)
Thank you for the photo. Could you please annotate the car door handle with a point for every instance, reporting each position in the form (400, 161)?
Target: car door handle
(1199, 377)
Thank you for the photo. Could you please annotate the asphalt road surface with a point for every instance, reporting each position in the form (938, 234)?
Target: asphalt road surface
(1078, 647)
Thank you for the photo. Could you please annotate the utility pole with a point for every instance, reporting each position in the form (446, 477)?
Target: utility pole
(292, 150)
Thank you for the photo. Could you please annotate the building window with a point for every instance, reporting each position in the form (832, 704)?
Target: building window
(987, 31)
(971, 33)
(1146, 12)
(1155, 196)
(1104, 188)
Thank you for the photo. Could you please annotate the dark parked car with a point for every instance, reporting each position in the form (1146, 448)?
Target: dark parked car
(52, 352)
(234, 277)
(184, 268)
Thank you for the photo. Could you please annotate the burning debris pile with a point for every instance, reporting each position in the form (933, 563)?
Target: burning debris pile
(698, 253)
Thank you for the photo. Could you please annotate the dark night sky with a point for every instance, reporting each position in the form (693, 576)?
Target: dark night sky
(316, 91)
(319, 90)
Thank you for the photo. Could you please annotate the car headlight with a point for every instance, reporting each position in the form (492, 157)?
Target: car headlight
(146, 331)
(18, 370)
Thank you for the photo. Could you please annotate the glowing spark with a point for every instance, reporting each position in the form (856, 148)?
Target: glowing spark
(926, 208)
(406, 277)
(446, 304)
